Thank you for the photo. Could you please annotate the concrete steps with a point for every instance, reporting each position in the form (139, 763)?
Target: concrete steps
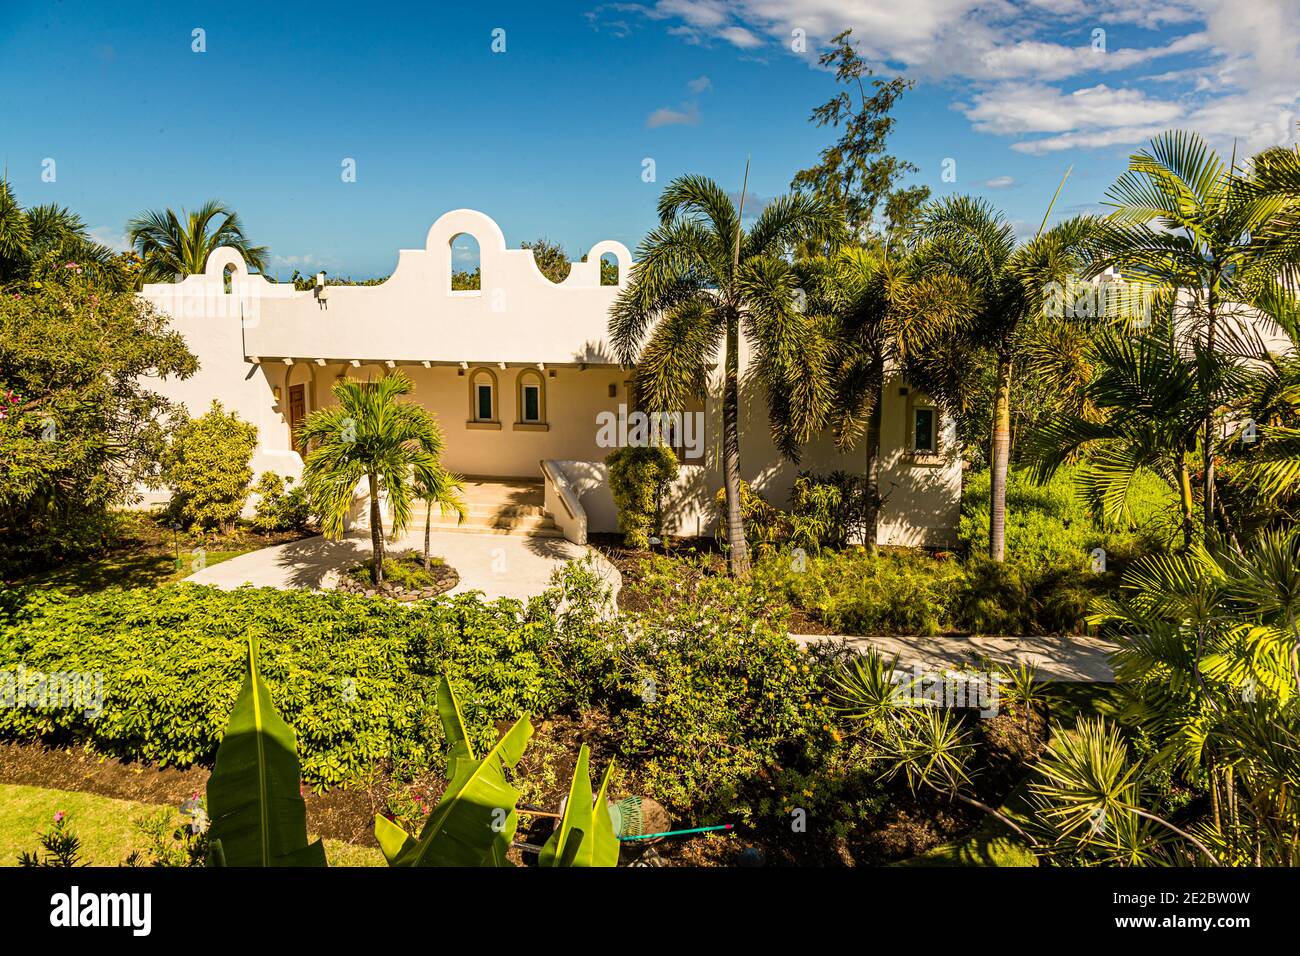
(499, 507)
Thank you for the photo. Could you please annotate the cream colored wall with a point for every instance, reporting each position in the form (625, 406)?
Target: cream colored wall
(519, 318)
(573, 399)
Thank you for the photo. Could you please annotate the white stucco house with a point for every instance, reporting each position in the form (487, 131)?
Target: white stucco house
(523, 381)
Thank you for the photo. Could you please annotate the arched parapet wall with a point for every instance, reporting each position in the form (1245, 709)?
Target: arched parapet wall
(491, 242)
(588, 273)
(222, 257)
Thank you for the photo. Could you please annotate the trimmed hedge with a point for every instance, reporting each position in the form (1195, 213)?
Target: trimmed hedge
(354, 677)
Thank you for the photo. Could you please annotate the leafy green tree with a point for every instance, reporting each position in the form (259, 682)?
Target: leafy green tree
(1003, 284)
(701, 278)
(372, 434)
(207, 466)
(173, 245)
(1204, 238)
(550, 257)
(855, 172)
(79, 427)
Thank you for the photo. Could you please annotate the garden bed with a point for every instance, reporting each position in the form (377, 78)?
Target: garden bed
(405, 578)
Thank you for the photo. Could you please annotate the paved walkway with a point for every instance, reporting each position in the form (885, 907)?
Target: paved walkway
(499, 565)
(1058, 657)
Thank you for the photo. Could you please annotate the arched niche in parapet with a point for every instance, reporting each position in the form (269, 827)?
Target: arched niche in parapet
(609, 251)
(224, 259)
(466, 263)
(459, 223)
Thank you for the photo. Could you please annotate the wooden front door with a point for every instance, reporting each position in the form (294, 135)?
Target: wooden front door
(297, 412)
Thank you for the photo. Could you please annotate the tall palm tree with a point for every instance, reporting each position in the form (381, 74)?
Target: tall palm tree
(174, 245)
(700, 280)
(870, 316)
(1147, 392)
(394, 445)
(1202, 236)
(434, 486)
(47, 232)
(1006, 285)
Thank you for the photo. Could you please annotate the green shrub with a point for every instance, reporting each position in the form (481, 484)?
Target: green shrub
(827, 511)
(766, 525)
(724, 696)
(1050, 525)
(280, 505)
(406, 570)
(206, 465)
(855, 592)
(637, 478)
(355, 678)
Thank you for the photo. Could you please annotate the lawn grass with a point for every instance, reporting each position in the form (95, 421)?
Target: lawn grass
(106, 827)
(145, 555)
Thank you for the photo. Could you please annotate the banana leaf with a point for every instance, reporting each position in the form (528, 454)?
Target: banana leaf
(585, 836)
(254, 801)
(475, 821)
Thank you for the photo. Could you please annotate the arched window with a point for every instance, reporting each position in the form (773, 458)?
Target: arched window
(609, 269)
(483, 398)
(466, 274)
(531, 399)
(228, 279)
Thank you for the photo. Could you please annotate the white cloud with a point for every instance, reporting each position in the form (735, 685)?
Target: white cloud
(110, 236)
(999, 182)
(1233, 73)
(688, 115)
(700, 84)
(1011, 109)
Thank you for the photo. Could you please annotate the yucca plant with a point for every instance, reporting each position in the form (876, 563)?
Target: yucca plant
(1089, 794)
(1022, 689)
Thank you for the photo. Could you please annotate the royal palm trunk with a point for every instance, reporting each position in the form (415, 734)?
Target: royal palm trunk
(999, 459)
(376, 530)
(872, 504)
(428, 517)
(738, 550)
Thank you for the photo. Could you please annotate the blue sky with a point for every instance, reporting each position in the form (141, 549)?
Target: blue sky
(549, 136)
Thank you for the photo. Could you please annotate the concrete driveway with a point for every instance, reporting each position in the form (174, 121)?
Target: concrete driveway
(499, 565)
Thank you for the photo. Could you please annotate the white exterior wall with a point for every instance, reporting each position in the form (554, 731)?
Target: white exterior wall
(264, 337)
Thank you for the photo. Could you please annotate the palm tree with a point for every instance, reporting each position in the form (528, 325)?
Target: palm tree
(47, 232)
(1006, 285)
(1148, 395)
(174, 245)
(700, 280)
(1202, 236)
(437, 487)
(870, 315)
(392, 444)
(1209, 662)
